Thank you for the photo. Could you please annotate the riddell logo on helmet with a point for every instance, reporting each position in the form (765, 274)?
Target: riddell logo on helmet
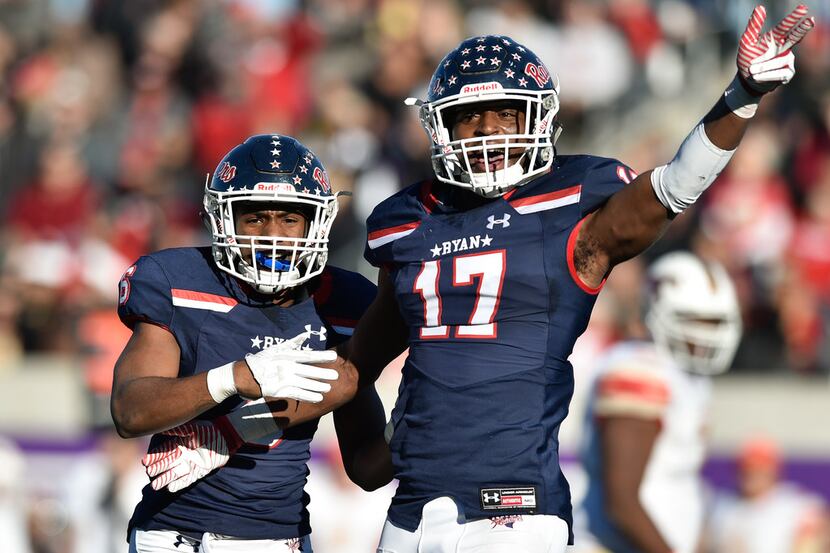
(480, 87)
(227, 172)
(273, 187)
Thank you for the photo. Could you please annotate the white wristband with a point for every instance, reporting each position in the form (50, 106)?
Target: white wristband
(220, 383)
(742, 103)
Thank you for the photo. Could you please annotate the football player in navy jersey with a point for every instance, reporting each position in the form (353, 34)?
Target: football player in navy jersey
(218, 329)
(489, 273)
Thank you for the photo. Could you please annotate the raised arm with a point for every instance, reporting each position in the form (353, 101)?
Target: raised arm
(636, 216)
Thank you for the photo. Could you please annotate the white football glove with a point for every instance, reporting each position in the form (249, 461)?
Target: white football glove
(766, 61)
(196, 449)
(282, 371)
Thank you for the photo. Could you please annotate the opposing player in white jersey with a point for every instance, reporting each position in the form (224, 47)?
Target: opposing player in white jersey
(647, 411)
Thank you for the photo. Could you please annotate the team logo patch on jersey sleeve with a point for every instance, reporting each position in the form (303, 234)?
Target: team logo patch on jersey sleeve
(517, 497)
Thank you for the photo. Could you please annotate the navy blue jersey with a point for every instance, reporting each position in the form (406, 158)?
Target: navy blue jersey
(494, 306)
(259, 493)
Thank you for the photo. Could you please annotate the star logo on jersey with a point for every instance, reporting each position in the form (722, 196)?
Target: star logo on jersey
(265, 341)
(461, 244)
(504, 221)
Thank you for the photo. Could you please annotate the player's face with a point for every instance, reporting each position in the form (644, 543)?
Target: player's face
(483, 119)
(268, 220)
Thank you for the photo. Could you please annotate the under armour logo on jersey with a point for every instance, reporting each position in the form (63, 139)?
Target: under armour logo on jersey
(490, 498)
(321, 334)
(504, 221)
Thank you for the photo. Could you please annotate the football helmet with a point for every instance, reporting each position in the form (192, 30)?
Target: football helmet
(270, 168)
(692, 312)
(486, 69)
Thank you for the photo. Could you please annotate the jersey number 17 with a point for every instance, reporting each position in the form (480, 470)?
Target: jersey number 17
(485, 268)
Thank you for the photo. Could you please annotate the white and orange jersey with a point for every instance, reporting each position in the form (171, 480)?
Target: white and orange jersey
(635, 379)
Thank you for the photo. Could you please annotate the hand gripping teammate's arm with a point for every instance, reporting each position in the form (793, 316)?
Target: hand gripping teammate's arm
(380, 336)
(199, 447)
(636, 216)
(195, 449)
(148, 396)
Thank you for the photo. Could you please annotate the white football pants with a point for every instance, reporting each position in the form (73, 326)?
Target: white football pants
(443, 530)
(165, 541)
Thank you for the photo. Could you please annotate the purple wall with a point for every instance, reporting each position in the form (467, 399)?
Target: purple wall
(812, 475)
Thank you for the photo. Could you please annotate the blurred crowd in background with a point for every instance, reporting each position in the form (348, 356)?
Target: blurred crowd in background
(112, 114)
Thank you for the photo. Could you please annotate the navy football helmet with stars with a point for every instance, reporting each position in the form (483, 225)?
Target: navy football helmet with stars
(486, 69)
(270, 168)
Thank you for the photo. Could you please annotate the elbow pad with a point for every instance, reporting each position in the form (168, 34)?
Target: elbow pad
(696, 165)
